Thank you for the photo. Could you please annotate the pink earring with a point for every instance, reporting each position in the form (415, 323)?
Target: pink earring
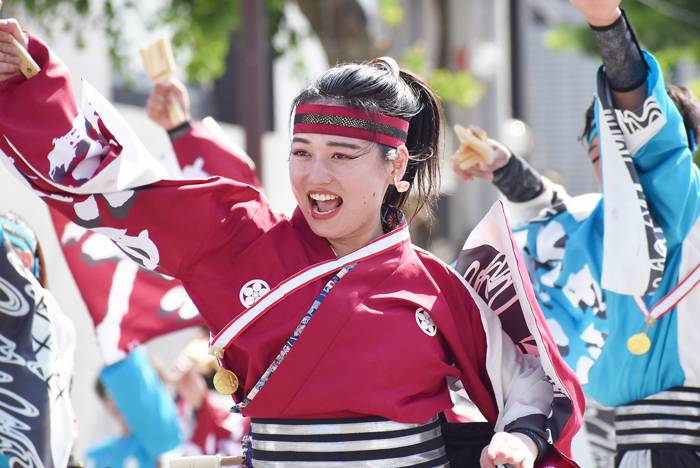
(402, 186)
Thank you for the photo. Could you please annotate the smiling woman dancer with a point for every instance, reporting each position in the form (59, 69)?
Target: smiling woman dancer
(376, 326)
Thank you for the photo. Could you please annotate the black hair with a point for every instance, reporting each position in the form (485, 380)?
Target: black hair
(686, 102)
(589, 116)
(689, 107)
(100, 389)
(375, 88)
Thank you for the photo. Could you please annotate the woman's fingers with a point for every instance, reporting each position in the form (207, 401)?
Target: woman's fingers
(9, 55)
(12, 27)
(506, 448)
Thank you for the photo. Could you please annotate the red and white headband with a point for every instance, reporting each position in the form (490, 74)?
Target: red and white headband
(350, 122)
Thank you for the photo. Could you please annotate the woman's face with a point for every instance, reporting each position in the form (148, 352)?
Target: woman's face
(339, 183)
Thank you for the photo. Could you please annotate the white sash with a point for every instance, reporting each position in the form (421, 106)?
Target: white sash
(307, 276)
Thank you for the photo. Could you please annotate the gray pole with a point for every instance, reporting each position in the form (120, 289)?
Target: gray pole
(254, 77)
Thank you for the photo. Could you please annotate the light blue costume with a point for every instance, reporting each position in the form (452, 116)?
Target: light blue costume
(148, 410)
(563, 246)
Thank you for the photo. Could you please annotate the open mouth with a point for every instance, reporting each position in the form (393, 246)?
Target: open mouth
(323, 203)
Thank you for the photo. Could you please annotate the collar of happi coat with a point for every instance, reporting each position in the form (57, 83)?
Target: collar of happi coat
(396, 237)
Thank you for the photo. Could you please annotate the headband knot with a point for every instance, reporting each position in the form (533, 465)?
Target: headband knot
(350, 122)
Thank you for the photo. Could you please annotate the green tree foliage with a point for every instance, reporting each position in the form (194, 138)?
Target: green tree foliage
(460, 88)
(201, 28)
(201, 31)
(670, 29)
(66, 16)
(391, 11)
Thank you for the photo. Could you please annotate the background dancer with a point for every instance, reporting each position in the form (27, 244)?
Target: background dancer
(38, 341)
(563, 239)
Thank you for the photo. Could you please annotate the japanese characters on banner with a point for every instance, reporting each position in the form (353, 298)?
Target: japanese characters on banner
(492, 265)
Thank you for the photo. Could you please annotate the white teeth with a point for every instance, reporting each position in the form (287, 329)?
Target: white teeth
(322, 196)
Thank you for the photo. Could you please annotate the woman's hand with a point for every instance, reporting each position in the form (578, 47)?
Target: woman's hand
(161, 101)
(500, 157)
(598, 12)
(514, 448)
(9, 54)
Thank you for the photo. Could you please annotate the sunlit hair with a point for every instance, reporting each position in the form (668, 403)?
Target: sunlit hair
(374, 88)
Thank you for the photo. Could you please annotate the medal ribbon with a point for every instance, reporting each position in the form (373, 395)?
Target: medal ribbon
(670, 300)
(292, 339)
(303, 278)
(640, 343)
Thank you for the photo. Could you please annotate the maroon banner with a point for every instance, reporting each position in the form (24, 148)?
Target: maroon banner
(129, 305)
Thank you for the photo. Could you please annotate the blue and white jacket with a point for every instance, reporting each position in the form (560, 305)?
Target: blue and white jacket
(563, 240)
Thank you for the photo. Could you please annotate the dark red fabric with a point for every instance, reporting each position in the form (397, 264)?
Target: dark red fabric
(146, 317)
(210, 424)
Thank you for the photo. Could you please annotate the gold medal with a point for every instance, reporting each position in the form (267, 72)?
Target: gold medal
(639, 343)
(225, 381)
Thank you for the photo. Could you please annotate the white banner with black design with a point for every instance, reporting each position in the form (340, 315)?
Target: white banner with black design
(37, 348)
(634, 244)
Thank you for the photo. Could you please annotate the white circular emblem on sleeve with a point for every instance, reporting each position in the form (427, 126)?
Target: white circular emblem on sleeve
(425, 322)
(253, 291)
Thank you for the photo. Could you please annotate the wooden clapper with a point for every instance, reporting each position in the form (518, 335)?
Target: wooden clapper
(160, 66)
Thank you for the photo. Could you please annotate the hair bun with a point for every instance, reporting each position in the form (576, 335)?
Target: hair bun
(389, 63)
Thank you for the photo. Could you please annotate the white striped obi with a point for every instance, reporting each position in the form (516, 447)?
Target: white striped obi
(346, 443)
(666, 420)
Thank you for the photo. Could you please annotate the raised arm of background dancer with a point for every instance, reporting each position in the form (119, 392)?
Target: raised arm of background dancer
(201, 146)
(511, 174)
(161, 101)
(624, 63)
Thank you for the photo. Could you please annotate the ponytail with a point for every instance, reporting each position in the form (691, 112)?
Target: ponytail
(423, 143)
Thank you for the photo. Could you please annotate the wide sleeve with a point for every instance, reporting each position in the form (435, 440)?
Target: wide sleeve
(89, 165)
(523, 394)
(520, 213)
(531, 384)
